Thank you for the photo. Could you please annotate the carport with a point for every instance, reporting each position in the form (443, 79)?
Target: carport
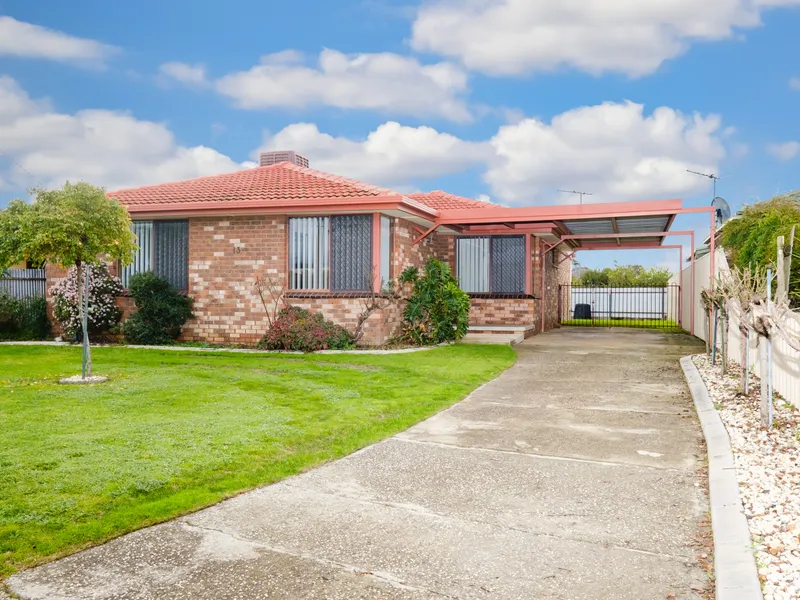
(569, 229)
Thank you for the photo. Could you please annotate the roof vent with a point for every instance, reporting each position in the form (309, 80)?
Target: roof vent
(279, 156)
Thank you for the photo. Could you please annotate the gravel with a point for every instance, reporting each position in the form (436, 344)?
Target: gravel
(768, 471)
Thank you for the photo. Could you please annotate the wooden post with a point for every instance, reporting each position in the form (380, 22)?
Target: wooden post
(781, 293)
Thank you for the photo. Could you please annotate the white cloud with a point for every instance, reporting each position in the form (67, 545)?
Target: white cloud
(384, 82)
(393, 155)
(512, 37)
(21, 39)
(794, 84)
(615, 151)
(610, 150)
(785, 151)
(191, 75)
(108, 148)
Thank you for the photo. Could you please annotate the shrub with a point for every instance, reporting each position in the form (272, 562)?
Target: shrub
(8, 311)
(161, 312)
(751, 240)
(298, 329)
(104, 315)
(23, 319)
(437, 310)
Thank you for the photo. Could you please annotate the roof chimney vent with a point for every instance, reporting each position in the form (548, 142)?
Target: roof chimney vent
(278, 156)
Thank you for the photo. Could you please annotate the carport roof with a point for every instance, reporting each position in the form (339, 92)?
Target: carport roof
(612, 225)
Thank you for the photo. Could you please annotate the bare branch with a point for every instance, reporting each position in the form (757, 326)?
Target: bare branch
(273, 296)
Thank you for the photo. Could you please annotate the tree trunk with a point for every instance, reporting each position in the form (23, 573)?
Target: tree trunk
(765, 399)
(83, 313)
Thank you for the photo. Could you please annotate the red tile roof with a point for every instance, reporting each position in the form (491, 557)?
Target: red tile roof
(443, 201)
(271, 186)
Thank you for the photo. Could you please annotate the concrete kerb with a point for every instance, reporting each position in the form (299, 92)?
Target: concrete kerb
(734, 564)
(236, 350)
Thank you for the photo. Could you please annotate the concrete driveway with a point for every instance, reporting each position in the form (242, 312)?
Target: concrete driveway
(572, 476)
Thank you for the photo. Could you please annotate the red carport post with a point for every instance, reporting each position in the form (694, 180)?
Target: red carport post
(691, 290)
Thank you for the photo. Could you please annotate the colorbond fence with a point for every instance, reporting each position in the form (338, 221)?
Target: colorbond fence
(24, 283)
(785, 360)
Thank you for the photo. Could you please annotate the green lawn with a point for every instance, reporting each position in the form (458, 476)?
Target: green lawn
(635, 323)
(174, 431)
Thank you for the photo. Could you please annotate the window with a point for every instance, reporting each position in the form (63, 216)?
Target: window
(330, 253)
(491, 265)
(163, 249)
(386, 250)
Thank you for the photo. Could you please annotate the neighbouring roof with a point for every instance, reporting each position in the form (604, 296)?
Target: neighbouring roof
(441, 200)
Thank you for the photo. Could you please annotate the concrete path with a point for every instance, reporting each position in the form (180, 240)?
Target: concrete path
(572, 476)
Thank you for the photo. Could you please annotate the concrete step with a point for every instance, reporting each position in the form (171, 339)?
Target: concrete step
(512, 332)
(507, 339)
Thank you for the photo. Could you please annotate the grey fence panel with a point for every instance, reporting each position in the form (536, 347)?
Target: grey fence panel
(24, 283)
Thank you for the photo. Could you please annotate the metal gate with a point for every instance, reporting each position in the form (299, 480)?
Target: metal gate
(641, 307)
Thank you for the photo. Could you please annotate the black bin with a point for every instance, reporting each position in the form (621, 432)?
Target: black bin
(582, 311)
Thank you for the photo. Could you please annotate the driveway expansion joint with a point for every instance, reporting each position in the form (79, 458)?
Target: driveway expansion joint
(605, 463)
(382, 577)
(523, 530)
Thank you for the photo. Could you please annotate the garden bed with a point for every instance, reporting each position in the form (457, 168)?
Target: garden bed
(768, 472)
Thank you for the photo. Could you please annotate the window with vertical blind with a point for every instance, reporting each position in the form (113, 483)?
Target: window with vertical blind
(163, 249)
(491, 264)
(330, 253)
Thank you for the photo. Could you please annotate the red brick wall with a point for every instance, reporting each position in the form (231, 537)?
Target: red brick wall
(222, 278)
(227, 254)
(502, 311)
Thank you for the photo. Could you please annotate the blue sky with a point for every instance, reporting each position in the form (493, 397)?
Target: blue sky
(508, 99)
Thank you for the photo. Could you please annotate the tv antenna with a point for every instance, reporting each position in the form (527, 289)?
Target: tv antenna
(711, 176)
(581, 194)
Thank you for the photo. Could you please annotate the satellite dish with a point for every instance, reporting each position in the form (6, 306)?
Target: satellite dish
(722, 210)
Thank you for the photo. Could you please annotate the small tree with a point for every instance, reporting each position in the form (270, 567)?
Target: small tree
(73, 226)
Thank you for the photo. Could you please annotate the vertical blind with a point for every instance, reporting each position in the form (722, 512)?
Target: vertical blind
(171, 252)
(473, 264)
(351, 252)
(163, 249)
(309, 252)
(494, 264)
(143, 260)
(330, 253)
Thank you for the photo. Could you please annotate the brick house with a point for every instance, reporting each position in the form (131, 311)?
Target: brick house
(329, 240)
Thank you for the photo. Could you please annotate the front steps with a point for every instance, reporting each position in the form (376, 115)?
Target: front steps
(509, 335)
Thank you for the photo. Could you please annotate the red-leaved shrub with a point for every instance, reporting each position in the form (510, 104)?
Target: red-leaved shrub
(299, 329)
